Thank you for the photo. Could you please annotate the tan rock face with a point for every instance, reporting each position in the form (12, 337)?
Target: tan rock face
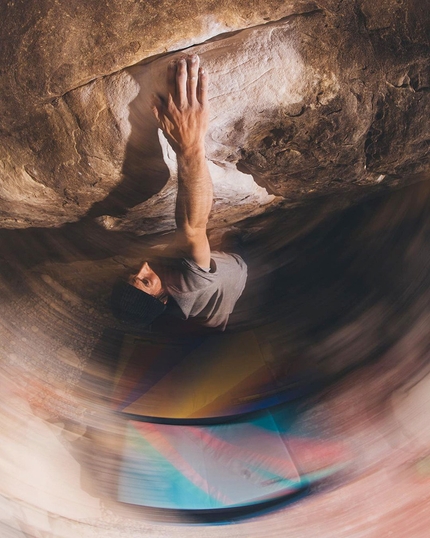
(321, 100)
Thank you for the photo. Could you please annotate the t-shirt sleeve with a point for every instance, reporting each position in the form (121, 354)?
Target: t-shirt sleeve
(200, 271)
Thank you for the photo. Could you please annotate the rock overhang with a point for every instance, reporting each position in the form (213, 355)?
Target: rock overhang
(310, 99)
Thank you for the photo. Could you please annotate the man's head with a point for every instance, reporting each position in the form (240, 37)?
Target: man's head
(140, 299)
(148, 281)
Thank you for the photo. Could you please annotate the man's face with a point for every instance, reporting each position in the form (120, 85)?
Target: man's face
(149, 282)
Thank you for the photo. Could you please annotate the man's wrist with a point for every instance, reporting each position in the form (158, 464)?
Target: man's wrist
(191, 152)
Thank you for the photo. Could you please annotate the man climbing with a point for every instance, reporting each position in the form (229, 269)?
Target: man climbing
(192, 282)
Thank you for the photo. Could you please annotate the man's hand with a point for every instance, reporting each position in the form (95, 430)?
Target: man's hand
(184, 119)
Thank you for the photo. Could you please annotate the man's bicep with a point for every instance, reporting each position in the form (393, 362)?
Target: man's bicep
(195, 246)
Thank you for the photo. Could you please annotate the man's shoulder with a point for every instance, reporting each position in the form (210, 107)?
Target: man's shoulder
(174, 257)
(228, 260)
(220, 261)
(183, 272)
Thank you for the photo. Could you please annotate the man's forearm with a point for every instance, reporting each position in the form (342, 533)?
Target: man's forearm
(184, 119)
(195, 191)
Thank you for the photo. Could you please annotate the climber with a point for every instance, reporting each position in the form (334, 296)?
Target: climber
(190, 281)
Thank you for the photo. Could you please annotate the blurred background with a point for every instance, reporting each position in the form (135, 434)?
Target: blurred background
(329, 342)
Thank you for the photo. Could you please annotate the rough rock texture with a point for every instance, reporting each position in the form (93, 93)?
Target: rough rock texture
(317, 98)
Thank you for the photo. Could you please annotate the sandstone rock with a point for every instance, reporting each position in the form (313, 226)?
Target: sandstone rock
(329, 99)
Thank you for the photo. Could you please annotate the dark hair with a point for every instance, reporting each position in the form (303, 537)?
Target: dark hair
(133, 305)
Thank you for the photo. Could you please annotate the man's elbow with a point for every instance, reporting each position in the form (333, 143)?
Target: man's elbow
(193, 232)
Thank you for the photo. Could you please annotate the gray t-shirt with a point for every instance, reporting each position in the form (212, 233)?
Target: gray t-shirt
(206, 296)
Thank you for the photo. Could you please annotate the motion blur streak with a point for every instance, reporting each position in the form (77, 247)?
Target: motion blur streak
(336, 316)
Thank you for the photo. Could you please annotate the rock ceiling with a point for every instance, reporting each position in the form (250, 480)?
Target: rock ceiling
(307, 99)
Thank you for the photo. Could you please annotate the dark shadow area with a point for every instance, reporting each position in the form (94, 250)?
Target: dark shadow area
(144, 172)
(353, 266)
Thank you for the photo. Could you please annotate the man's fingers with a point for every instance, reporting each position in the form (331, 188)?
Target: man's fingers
(202, 89)
(171, 78)
(181, 83)
(193, 73)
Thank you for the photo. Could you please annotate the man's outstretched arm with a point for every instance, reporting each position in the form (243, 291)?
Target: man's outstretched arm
(184, 120)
